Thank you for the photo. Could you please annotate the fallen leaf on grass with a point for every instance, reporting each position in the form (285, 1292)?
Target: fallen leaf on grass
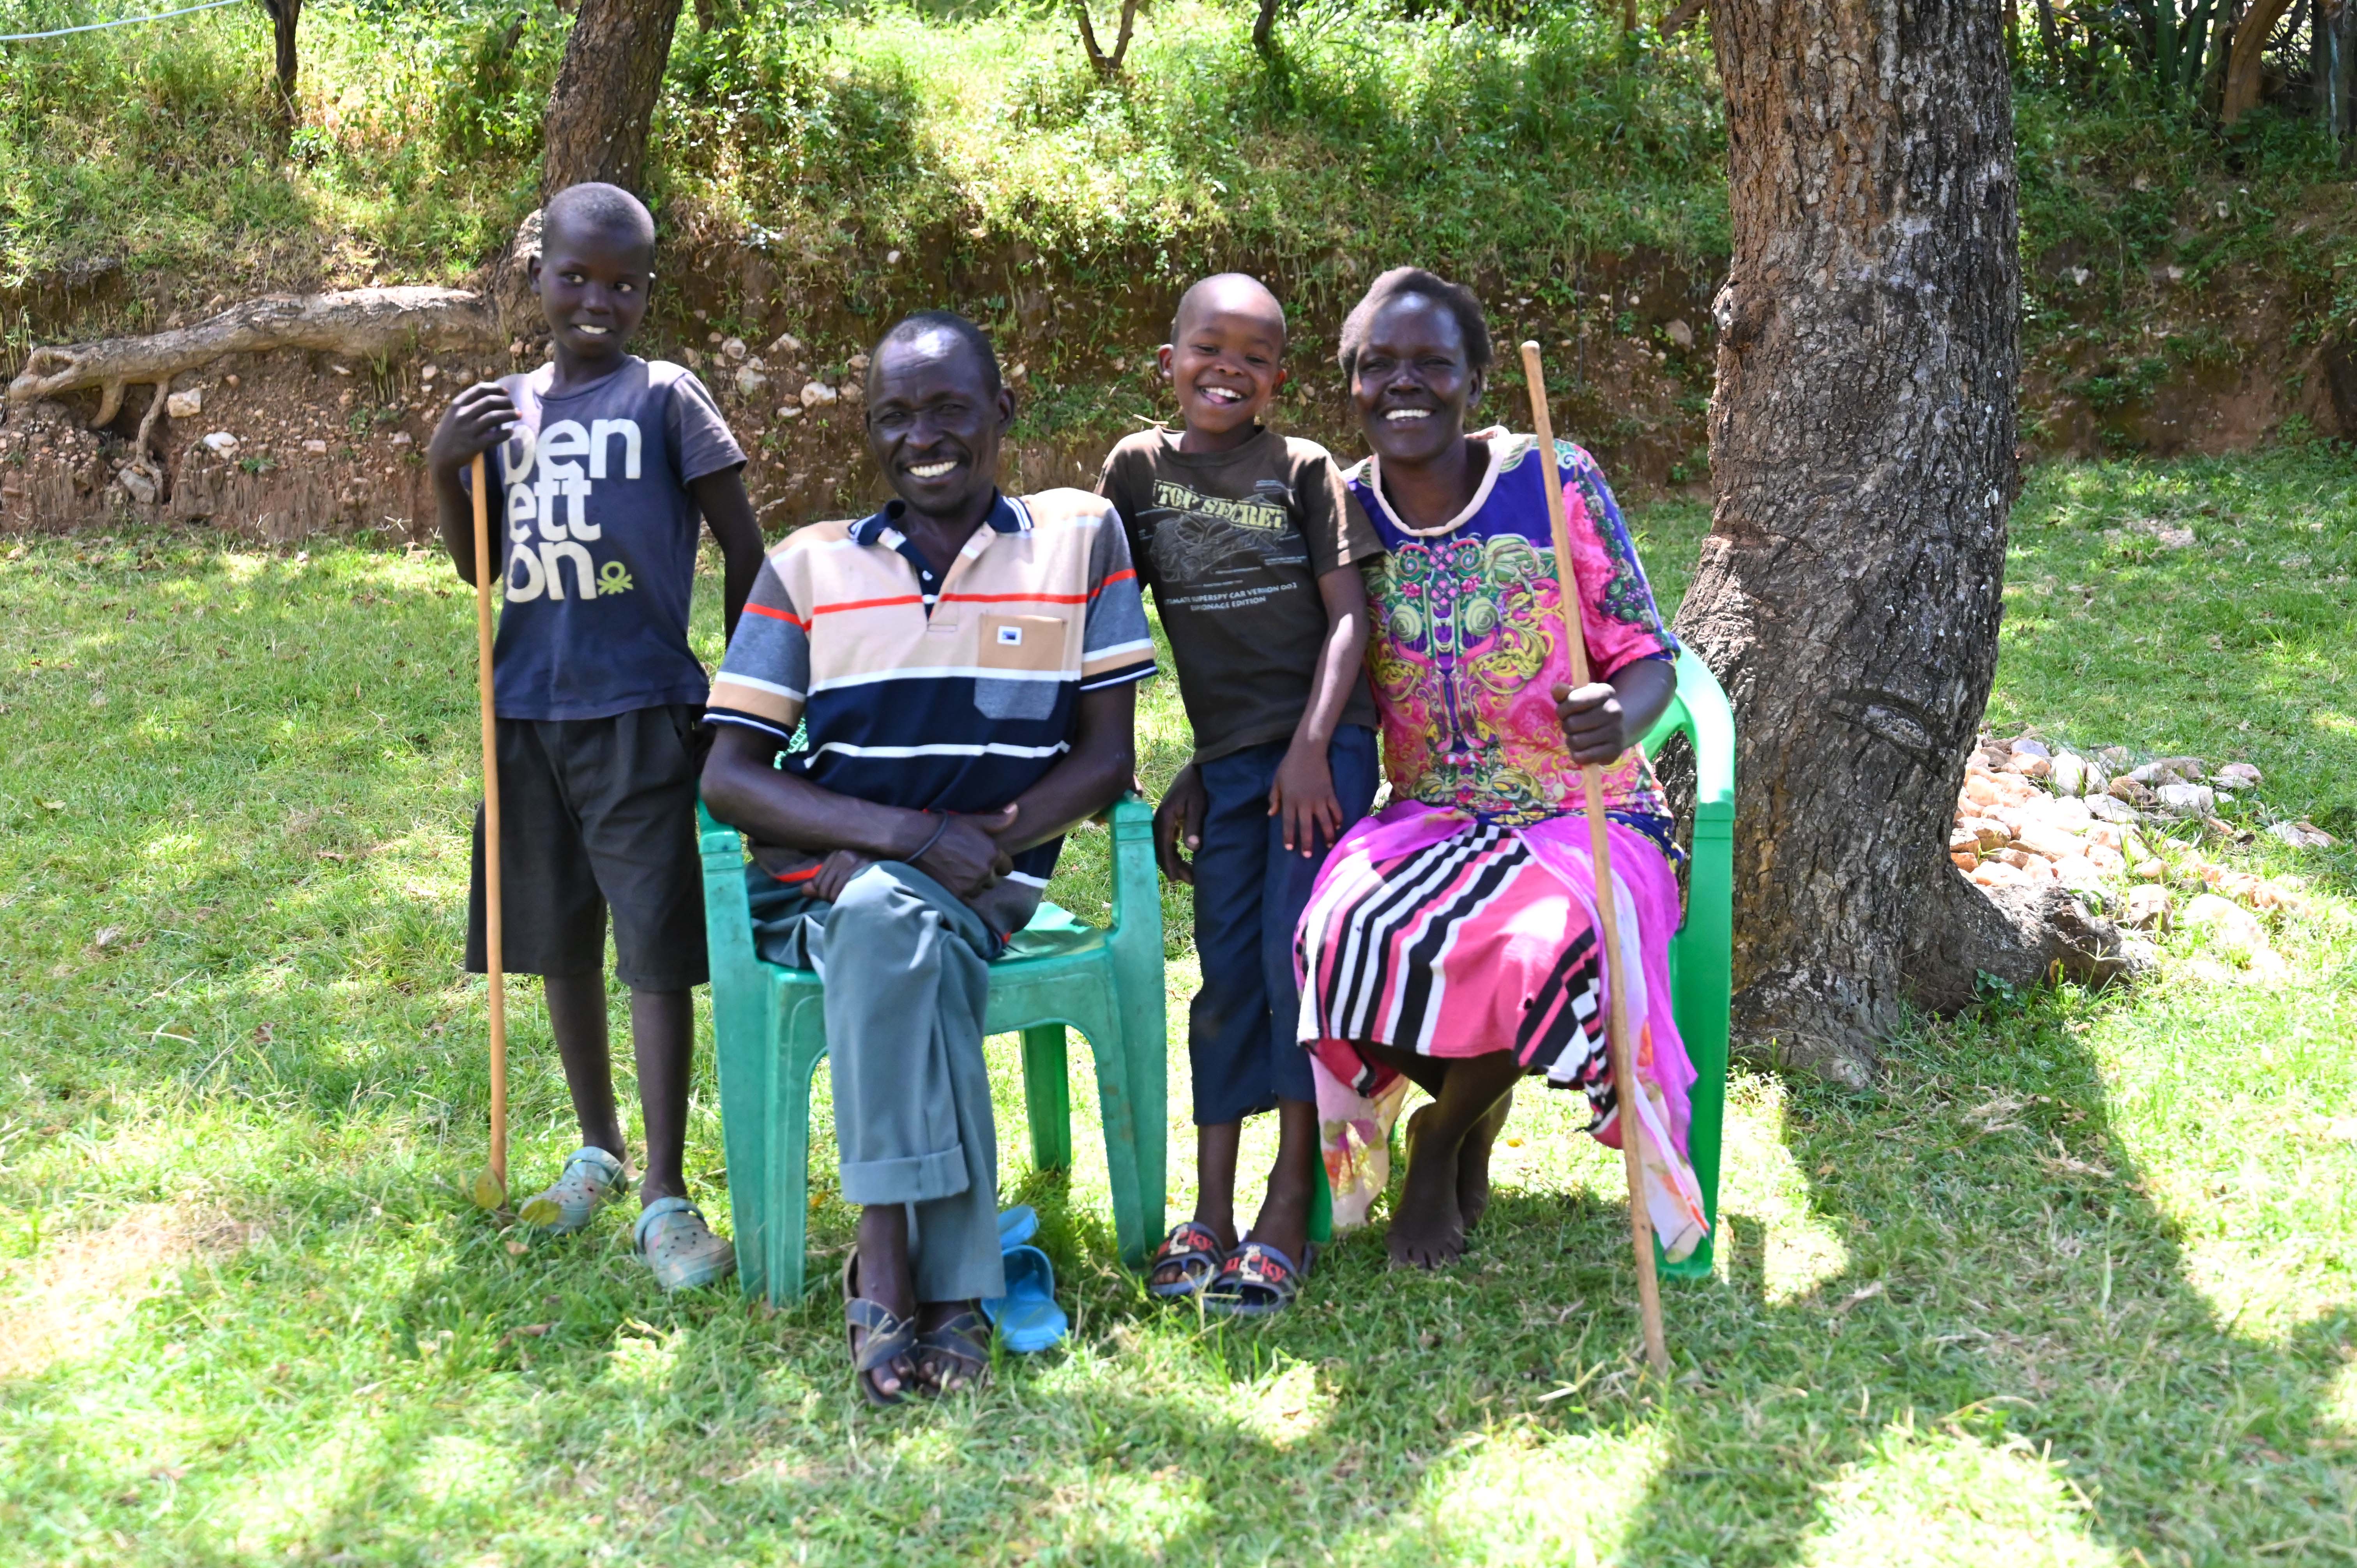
(107, 936)
(1866, 1291)
(2062, 1162)
(517, 1248)
(53, 805)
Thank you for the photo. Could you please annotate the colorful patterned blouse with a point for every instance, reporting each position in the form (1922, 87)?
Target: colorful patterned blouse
(1467, 646)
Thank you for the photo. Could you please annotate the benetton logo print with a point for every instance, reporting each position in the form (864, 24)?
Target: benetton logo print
(548, 491)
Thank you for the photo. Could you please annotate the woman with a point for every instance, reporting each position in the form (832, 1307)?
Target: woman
(1452, 939)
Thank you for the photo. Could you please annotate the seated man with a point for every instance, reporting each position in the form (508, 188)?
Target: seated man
(963, 664)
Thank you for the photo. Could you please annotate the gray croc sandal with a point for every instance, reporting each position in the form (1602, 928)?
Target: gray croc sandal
(592, 1178)
(680, 1247)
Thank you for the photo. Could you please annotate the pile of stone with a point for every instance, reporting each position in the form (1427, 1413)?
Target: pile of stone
(2030, 813)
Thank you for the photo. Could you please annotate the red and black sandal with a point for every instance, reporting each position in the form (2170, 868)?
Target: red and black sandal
(1256, 1280)
(1195, 1251)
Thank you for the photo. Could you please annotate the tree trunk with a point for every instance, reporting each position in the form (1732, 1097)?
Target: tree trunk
(1263, 33)
(1108, 66)
(604, 100)
(2244, 66)
(1862, 439)
(283, 15)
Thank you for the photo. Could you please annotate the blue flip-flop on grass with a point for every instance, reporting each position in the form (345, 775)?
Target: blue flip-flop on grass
(1027, 1318)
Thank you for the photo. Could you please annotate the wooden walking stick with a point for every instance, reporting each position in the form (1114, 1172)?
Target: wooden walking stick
(1625, 1087)
(491, 1186)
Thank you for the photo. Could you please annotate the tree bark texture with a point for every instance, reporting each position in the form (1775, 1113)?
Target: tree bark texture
(1862, 439)
(603, 105)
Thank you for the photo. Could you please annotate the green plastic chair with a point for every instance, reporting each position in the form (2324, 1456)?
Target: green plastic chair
(769, 1030)
(1701, 954)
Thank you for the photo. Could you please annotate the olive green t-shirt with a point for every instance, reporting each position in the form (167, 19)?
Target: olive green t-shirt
(1232, 543)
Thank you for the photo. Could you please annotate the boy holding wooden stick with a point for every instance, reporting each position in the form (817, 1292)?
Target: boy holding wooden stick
(604, 464)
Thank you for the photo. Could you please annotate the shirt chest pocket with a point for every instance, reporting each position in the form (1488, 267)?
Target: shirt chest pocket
(1020, 667)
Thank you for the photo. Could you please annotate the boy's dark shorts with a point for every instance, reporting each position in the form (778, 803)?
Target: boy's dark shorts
(597, 813)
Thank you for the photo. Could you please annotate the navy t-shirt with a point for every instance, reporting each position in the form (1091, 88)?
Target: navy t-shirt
(600, 553)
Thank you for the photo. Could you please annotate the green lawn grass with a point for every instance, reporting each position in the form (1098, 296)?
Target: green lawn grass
(2071, 1286)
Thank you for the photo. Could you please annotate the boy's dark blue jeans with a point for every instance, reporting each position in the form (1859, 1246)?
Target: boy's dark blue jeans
(1249, 895)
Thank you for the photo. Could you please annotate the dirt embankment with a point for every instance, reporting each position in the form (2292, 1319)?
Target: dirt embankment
(277, 446)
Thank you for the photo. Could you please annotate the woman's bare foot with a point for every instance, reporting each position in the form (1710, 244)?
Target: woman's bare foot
(1473, 1161)
(1427, 1230)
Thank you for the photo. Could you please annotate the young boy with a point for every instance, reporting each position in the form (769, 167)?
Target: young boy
(1250, 543)
(603, 464)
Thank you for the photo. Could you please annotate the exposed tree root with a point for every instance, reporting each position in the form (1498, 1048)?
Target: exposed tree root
(2021, 936)
(364, 323)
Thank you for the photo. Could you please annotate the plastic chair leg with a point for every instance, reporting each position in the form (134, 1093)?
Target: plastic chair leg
(1047, 1097)
(1124, 1153)
(1321, 1204)
(803, 1044)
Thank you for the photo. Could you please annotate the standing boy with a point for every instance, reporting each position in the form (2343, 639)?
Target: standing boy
(1251, 544)
(604, 463)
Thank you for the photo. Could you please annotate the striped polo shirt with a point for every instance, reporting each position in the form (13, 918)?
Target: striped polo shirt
(954, 693)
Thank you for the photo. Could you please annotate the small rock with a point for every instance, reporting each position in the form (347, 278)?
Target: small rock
(2131, 792)
(1964, 859)
(2070, 815)
(2187, 799)
(2150, 870)
(139, 485)
(2216, 912)
(2115, 758)
(1987, 834)
(428, 373)
(2148, 908)
(229, 382)
(2236, 928)
(402, 439)
(1019, 372)
(185, 404)
(1997, 874)
(694, 360)
(891, 258)
(2077, 871)
(2042, 838)
(854, 391)
(791, 411)
(735, 348)
(858, 361)
(1980, 789)
(2303, 835)
(2026, 747)
(221, 443)
(750, 380)
(316, 447)
(2069, 774)
(2030, 766)
(2169, 536)
(1681, 334)
(2110, 808)
(815, 393)
(708, 336)
(786, 343)
(2238, 776)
